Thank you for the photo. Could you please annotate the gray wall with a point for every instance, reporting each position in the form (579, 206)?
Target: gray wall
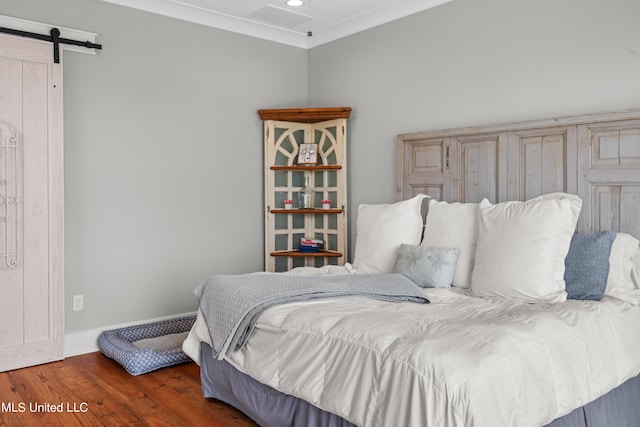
(471, 62)
(163, 156)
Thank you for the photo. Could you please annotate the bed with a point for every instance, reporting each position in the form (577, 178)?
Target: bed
(533, 316)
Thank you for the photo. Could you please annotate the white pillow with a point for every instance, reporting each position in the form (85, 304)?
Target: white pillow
(624, 253)
(635, 271)
(522, 247)
(381, 229)
(454, 225)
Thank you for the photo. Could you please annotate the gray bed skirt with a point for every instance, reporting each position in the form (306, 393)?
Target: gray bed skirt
(268, 407)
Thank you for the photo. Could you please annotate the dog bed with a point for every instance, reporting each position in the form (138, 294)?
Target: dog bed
(147, 347)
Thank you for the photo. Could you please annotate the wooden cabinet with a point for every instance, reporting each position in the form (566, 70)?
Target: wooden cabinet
(285, 130)
(596, 157)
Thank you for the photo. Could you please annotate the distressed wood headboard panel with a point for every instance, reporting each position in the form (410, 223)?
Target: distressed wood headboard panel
(596, 157)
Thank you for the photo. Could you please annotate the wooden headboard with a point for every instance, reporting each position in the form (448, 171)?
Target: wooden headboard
(596, 157)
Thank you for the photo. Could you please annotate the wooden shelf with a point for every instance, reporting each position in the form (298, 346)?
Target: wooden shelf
(305, 115)
(305, 168)
(306, 211)
(332, 254)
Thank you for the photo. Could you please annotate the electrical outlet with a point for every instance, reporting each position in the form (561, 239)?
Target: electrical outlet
(78, 302)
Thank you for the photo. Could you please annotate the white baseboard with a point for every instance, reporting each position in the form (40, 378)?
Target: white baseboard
(76, 343)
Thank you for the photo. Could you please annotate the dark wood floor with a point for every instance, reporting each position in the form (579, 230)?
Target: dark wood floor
(93, 390)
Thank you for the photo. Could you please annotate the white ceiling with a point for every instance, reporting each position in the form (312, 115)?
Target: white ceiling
(327, 20)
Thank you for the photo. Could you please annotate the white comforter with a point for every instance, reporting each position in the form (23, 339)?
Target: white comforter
(459, 361)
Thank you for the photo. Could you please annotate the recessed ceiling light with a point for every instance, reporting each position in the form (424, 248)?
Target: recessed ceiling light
(294, 3)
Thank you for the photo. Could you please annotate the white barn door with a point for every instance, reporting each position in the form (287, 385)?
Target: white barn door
(31, 204)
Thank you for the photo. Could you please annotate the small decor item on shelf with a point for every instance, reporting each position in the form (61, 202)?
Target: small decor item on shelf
(310, 245)
(288, 204)
(308, 154)
(326, 204)
(306, 195)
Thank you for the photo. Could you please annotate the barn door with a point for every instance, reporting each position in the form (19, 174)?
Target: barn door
(31, 204)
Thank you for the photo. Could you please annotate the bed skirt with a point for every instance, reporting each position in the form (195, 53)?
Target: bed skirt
(269, 407)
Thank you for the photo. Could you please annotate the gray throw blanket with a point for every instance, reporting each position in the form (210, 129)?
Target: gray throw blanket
(231, 304)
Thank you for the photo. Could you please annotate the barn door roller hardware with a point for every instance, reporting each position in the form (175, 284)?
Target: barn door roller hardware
(54, 38)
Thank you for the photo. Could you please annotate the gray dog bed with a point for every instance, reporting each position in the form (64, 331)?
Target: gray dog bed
(145, 348)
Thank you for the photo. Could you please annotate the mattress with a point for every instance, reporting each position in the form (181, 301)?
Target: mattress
(459, 361)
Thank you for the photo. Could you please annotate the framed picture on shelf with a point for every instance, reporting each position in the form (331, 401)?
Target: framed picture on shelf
(308, 154)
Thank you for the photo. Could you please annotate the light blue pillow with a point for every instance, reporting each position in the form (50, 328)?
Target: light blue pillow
(427, 267)
(587, 265)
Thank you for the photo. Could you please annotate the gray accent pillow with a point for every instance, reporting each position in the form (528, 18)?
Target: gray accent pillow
(587, 265)
(427, 267)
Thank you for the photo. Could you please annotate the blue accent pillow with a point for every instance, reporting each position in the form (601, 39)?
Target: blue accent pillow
(587, 265)
(427, 267)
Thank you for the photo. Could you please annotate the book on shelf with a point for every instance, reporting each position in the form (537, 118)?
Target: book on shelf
(310, 245)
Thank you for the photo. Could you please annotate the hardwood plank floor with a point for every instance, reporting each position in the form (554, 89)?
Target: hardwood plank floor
(93, 390)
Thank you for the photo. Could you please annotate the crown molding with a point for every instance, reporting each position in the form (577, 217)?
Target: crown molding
(210, 18)
(369, 19)
(196, 14)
